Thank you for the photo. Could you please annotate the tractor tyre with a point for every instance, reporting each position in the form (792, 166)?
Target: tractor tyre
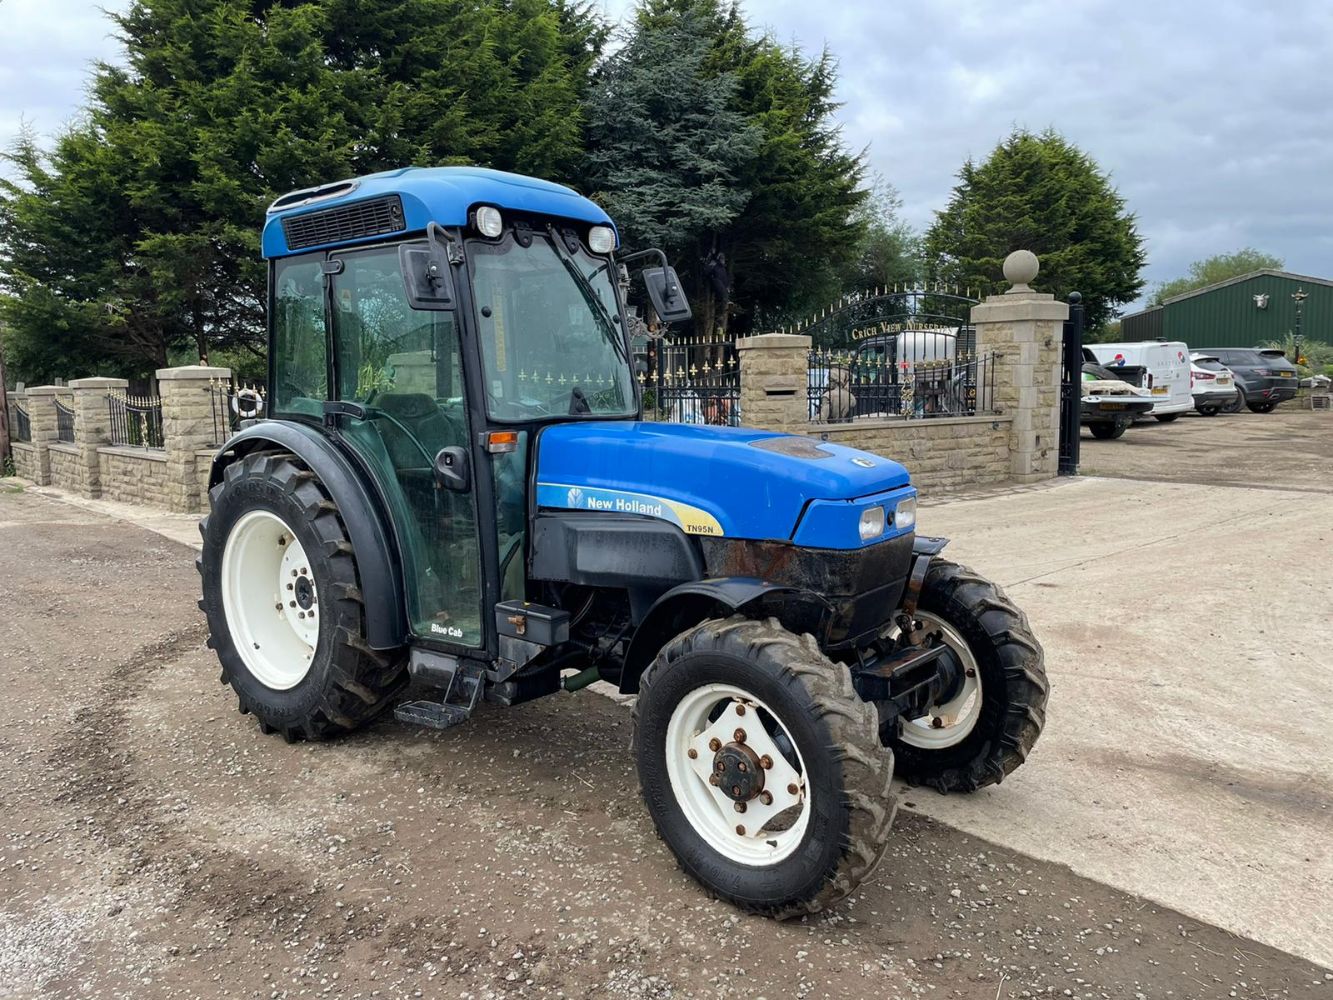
(1167, 418)
(761, 766)
(1237, 404)
(1108, 430)
(285, 612)
(987, 726)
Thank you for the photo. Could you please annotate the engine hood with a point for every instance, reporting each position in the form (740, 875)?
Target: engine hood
(731, 482)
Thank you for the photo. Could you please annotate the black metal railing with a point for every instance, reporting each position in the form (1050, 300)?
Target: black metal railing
(843, 386)
(21, 423)
(692, 380)
(136, 421)
(64, 423)
(233, 402)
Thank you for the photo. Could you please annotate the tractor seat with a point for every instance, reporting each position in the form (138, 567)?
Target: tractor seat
(419, 415)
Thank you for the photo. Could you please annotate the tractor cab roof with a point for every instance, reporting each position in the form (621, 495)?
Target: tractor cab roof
(394, 202)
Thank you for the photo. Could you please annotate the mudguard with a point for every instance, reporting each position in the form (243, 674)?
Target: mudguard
(377, 560)
(683, 607)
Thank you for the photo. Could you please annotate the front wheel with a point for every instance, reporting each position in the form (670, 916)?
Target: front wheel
(1261, 407)
(1108, 430)
(982, 729)
(1237, 404)
(761, 767)
(1166, 418)
(1208, 411)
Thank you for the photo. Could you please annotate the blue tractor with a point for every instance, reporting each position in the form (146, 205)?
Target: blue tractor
(453, 497)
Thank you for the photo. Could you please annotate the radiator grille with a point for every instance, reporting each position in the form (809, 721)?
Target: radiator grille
(374, 217)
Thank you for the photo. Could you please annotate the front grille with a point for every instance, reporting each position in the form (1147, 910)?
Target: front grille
(374, 217)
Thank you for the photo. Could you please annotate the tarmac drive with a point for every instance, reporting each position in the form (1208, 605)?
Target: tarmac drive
(154, 844)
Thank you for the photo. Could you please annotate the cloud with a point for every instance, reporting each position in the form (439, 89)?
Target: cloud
(1213, 117)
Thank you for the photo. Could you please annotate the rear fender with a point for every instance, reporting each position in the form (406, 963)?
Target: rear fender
(377, 561)
(685, 606)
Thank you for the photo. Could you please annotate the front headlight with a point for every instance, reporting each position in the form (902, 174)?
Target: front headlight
(601, 239)
(904, 515)
(872, 523)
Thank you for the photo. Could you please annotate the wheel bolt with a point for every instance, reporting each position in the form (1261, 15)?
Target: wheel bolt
(279, 605)
(713, 779)
(740, 807)
(719, 767)
(300, 614)
(715, 744)
(793, 790)
(936, 722)
(766, 798)
(282, 539)
(291, 604)
(742, 767)
(766, 762)
(290, 587)
(692, 753)
(741, 830)
(740, 709)
(304, 571)
(739, 735)
(971, 672)
(736, 790)
(294, 573)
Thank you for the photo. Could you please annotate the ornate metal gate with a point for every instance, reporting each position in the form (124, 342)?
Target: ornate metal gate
(1071, 386)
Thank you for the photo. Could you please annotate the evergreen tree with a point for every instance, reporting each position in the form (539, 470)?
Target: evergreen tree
(759, 196)
(140, 230)
(1040, 193)
(889, 253)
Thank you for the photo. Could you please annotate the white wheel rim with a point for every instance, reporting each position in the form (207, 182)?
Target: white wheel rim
(708, 809)
(948, 724)
(269, 598)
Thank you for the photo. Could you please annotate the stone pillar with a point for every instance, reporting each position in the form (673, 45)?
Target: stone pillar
(187, 428)
(92, 427)
(40, 402)
(774, 377)
(1025, 329)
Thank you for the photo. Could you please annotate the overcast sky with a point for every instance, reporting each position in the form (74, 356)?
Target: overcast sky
(1214, 117)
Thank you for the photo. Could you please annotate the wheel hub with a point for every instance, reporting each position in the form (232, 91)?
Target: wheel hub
(305, 592)
(739, 771)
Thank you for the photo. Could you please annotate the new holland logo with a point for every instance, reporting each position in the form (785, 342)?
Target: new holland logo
(574, 497)
(864, 463)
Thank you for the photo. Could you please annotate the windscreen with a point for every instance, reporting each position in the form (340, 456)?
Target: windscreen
(551, 343)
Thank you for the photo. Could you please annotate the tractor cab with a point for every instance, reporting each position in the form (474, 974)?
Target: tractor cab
(454, 493)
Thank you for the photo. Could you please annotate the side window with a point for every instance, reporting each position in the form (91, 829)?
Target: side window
(300, 342)
(384, 345)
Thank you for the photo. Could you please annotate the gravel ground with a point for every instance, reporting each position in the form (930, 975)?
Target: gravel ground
(1288, 449)
(153, 844)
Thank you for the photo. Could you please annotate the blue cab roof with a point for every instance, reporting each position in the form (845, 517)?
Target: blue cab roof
(429, 194)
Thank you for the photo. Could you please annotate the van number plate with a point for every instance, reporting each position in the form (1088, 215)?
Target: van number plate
(1159, 390)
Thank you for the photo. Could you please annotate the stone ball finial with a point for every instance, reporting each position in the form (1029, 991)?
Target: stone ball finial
(1021, 267)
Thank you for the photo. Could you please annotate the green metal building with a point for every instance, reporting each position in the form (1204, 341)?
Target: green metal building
(1240, 312)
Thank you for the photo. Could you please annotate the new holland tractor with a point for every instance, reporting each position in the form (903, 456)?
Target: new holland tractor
(454, 497)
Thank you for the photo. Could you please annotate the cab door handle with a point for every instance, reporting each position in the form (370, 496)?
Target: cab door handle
(452, 469)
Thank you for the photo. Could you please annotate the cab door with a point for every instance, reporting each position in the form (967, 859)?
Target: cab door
(402, 369)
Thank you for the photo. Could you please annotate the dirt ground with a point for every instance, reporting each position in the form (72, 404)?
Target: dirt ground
(1290, 448)
(154, 844)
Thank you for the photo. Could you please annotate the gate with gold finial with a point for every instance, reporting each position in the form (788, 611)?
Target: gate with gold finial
(691, 379)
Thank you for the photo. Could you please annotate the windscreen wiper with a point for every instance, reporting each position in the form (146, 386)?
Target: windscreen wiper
(590, 295)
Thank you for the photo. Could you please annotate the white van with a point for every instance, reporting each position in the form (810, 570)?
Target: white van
(1163, 369)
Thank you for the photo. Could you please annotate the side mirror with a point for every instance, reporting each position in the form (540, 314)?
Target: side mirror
(451, 469)
(427, 276)
(665, 293)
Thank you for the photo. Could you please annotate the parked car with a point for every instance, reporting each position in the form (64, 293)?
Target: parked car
(1263, 375)
(1213, 384)
(1108, 404)
(1165, 372)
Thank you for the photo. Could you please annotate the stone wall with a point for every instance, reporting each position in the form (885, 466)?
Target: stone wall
(66, 472)
(203, 462)
(134, 475)
(942, 453)
(25, 460)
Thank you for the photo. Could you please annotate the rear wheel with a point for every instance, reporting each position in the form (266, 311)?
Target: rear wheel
(1108, 430)
(1166, 418)
(1237, 404)
(984, 728)
(284, 608)
(761, 766)
(1261, 407)
(1208, 411)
